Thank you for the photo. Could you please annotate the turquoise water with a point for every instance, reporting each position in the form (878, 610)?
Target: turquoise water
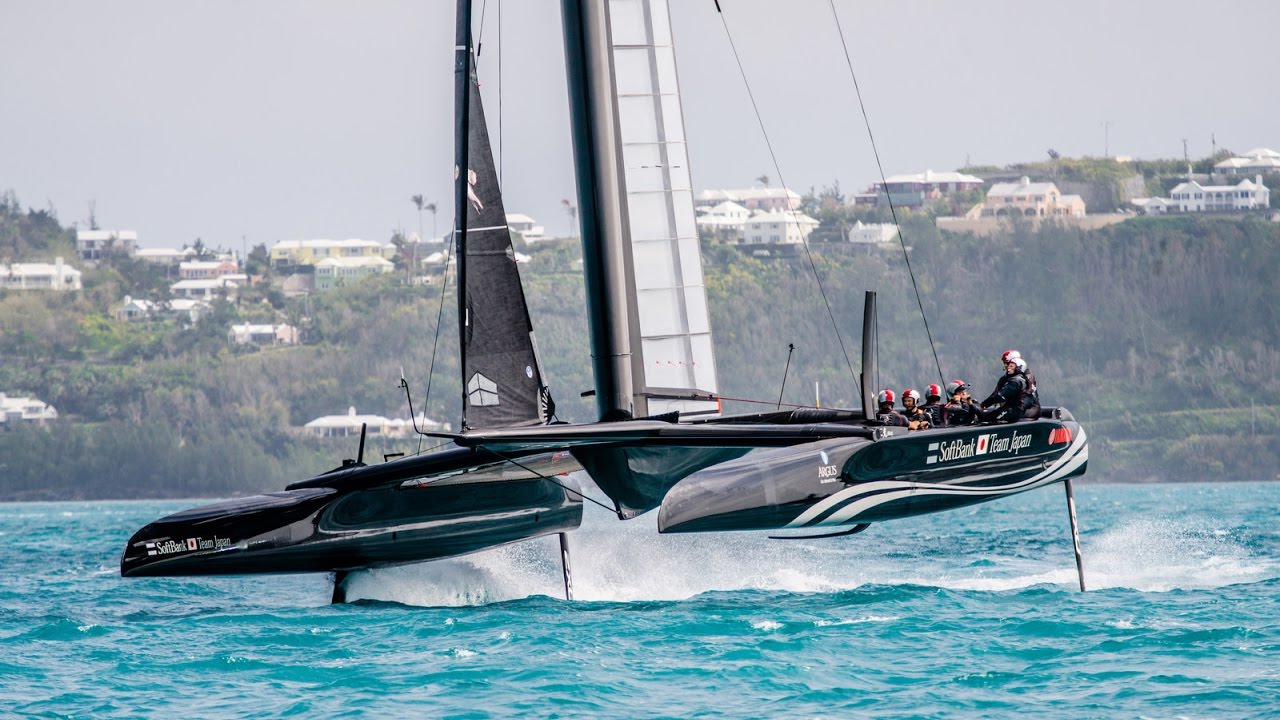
(966, 614)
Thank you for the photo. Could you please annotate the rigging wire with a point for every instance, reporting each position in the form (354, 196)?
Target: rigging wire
(778, 170)
(885, 186)
(435, 344)
(557, 483)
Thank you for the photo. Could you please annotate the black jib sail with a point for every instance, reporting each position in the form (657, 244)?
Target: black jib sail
(501, 371)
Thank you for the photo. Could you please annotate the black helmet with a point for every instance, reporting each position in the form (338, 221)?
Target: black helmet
(955, 387)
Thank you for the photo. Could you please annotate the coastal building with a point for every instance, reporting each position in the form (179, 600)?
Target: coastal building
(183, 309)
(528, 228)
(251, 334)
(1192, 197)
(337, 271)
(348, 425)
(92, 244)
(778, 228)
(15, 410)
(1255, 162)
(57, 276)
(722, 221)
(761, 198)
(912, 190)
(206, 269)
(310, 252)
(870, 232)
(208, 289)
(163, 256)
(1029, 199)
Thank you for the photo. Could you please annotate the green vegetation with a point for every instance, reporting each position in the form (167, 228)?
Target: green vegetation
(1161, 335)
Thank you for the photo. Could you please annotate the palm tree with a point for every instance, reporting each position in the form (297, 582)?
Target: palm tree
(571, 211)
(763, 180)
(431, 208)
(420, 202)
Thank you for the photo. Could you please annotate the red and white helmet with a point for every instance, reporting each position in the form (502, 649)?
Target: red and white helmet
(933, 391)
(912, 394)
(886, 396)
(1009, 355)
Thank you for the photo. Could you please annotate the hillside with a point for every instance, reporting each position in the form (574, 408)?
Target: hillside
(1161, 335)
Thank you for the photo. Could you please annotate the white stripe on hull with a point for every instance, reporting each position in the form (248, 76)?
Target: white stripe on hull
(875, 494)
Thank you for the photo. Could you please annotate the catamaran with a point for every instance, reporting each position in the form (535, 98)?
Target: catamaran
(661, 441)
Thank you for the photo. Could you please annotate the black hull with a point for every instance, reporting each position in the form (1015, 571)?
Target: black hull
(361, 517)
(848, 481)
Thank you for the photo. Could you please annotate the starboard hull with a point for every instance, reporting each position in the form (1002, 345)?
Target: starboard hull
(848, 481)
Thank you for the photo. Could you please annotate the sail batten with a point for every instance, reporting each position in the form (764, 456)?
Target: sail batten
(671, 335)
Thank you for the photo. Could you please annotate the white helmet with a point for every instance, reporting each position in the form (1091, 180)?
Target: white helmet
(1020, 364)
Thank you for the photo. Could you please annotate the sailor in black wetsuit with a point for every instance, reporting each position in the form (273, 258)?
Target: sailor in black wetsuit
(960, 408)
(1030, 396)
(1007, 402)
(1006, 361)
(933, 404)
(917, 419)
(886, 414)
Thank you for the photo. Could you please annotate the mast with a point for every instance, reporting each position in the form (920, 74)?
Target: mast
(461, 174)
(594, 126)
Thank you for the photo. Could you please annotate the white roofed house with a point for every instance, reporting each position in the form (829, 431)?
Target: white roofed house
(1031, 199)
(335, 272)
(93, 244)
(761, 198)
(870, 232)
(528, 228)
(1256, 161)
(15, 410)
(56, 276)
(1192, 197)
(247, 333)
(349, 425)
(206, 269)
(723, 221)
(163, 256)
(311, 252)
(207, 289)
(788, 227)
(912, 190)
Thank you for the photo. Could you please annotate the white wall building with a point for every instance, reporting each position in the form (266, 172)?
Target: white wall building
(246, 333)
(205, 269)
(761, 198)
(207, 289)
(163, 256)
(1254, 162)
(1192, 197)
(871, 232)
(778, 228)
(349, 425)
(91, 244)
(40, 276)
(14, 410)
(528, 228)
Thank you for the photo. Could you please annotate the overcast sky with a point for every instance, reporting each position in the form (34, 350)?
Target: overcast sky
(320, 118)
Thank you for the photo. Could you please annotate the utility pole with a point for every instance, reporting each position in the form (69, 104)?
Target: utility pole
(1106, 138)
(1186, 158)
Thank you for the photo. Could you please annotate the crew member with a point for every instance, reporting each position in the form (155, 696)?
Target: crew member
(933, 404)
(960, 408)
(1009, 395)
(1006, 362)
(1031, 396)
(917, 418)
(885, 413)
